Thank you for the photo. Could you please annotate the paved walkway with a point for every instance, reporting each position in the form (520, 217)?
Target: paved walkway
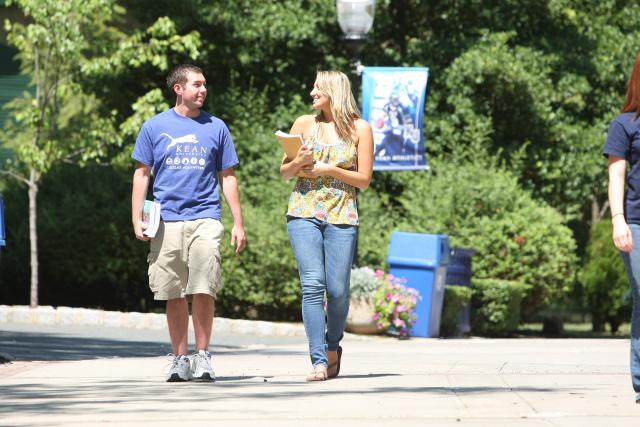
(99, 375)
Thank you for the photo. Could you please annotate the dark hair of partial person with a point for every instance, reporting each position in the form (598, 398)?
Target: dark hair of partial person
(632, 101)
(179, 74)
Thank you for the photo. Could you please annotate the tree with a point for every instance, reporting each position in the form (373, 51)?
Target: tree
(53, 120)
(58, 120)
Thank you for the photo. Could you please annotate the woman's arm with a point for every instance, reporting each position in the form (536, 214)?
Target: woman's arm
(359, 178)
(621, 233)
(289, 168)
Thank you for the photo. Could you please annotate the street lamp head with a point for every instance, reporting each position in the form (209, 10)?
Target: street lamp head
(355, 17)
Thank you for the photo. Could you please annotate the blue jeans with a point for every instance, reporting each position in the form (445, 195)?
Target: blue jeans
(324, 253)
(632, 265)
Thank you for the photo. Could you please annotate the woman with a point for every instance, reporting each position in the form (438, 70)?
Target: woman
(322, 216)
(622, 146)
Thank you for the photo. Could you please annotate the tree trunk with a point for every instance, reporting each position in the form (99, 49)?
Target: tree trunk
(595, 210)
(33, 235)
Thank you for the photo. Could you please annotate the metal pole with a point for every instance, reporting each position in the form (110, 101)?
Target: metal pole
(355, 86)
(355, 46)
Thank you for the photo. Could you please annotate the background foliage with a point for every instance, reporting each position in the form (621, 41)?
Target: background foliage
(520, 96)
(606, 288)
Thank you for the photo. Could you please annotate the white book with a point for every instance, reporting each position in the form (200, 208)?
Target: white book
(151, 216)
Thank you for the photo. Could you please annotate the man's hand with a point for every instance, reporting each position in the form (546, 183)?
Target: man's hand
(238, 238)
(138, 196)
(138, 229)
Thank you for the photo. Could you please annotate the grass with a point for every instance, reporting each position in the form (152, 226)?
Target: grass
(574, 330)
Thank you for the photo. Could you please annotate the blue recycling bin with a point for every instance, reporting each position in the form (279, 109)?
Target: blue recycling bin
(459, 274)
(422, 260)
(2, 241)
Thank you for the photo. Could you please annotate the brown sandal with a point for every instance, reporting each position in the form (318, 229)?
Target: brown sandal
(319, 373)
(335, 365)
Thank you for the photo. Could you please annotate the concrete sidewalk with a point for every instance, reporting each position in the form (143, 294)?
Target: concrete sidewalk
(102, 376)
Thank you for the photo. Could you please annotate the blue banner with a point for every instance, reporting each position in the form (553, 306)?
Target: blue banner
(393, 103)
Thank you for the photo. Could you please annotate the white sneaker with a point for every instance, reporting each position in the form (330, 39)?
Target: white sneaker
(201, 367)
(180, 369)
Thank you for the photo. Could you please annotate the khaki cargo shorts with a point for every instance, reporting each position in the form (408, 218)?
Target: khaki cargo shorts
(185, 259)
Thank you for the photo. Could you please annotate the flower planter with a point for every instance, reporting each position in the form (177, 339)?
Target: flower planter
(360, 318)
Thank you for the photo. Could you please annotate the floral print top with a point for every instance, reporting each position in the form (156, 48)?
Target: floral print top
(326, 198)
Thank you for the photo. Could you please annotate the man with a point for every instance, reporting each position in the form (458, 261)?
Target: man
(190, 152)
(393, 141)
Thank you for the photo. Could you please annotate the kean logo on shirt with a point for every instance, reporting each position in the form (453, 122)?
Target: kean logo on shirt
(190, 138)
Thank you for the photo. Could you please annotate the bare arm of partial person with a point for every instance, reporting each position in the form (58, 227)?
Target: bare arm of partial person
(290, 167)
(621, 233)
(138, 196)
(359, 178)
(229, 184)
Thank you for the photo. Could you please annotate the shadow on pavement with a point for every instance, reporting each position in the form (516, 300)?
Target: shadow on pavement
(31, 346)
(75, 398)
(25, 346)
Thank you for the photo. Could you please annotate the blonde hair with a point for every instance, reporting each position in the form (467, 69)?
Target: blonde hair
(344, 109)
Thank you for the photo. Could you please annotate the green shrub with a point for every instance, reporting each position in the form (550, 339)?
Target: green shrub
(378, 218)
(455, 298)
(516, 238)
(604, 281)
(495, 306)
(88, 254)
(262, 282)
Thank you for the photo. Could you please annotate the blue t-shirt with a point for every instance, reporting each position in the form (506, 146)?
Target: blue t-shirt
(624, 141)
(186, 155)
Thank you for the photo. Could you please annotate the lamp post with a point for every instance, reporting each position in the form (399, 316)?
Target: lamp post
(355, 18)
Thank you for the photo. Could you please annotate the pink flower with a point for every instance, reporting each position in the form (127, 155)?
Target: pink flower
(388, 296)
(376, 316)
(400, 308)
(394, 298)
(379, 273)
(398, 323)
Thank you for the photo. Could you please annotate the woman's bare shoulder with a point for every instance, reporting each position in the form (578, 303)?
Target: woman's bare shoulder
(304, 123)
(306, 119)
(362, 125)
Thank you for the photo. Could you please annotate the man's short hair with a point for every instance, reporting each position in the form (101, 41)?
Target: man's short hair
(178, 74)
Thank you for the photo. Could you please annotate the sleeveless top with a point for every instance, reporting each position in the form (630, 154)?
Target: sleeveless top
(326, 198)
